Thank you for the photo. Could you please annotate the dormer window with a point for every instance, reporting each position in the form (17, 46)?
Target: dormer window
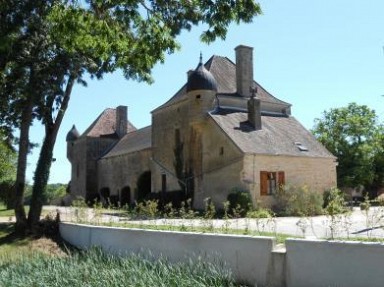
(301, 147)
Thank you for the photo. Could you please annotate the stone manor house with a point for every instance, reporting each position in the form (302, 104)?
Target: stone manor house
(220, 132)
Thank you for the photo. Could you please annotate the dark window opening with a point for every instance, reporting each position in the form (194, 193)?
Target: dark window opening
(221, 150)
(143, 185)
(198, 97)
(125, 196)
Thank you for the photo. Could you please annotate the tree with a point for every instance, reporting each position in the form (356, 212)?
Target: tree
(353, 135)
(60, 41)
(7, 171)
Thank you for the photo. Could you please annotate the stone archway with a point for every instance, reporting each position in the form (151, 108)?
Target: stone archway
(125, 196)
(105, 194)
(143, 185)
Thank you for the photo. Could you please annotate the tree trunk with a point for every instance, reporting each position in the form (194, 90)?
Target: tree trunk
(45, 158)
(26, 119)
(41, 179)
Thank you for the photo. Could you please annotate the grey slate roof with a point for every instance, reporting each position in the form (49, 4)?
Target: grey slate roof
(201, 79)
(105, 125)
(278, 136)
(134, 141)
(73, 134)
(224, 72)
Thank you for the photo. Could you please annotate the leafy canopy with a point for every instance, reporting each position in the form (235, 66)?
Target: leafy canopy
(354, 135)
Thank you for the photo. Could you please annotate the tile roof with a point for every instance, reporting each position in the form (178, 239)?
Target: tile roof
(279, 135)
(131, 142)
(105, 125)
(224, 72)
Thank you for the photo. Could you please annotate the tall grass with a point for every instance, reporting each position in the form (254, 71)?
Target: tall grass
(95, 268)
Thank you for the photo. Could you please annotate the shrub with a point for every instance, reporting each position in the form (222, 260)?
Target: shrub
(335, 202)
(260, 213)
(331, 194)
(297, 201)
(6, 194)
(240, 201)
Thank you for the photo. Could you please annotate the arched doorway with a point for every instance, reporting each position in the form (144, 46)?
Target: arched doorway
(105, 194)
(125, 196)
(143, 185)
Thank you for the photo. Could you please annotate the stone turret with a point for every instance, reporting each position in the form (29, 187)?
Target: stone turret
(72, 136)
(201, 90)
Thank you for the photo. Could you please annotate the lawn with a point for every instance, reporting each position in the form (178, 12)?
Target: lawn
(34, 261)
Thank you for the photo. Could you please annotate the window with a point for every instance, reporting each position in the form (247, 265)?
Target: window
(270, 181)
(221, 151)
(163, 183)
(198, 97)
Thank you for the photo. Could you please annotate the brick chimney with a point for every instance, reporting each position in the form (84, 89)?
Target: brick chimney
(244, 70)
(254, 110)
(121, 120)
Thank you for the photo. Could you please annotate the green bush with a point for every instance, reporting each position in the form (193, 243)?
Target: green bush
(335, 201)
(260, 213)
(6, 194)
(297, 201)
(331, 194)
(240, 201)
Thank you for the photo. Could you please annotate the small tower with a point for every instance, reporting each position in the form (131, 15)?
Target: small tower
(72, 136)
(201, 91)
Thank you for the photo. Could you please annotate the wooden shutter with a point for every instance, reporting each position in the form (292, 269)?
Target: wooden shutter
(281, 178)
(263, 183)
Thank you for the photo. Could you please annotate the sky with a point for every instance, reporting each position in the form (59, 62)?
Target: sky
(316, 55)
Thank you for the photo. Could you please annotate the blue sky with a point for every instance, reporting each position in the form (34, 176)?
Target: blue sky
(315, 55)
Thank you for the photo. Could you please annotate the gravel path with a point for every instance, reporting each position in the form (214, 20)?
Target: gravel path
(353, 225)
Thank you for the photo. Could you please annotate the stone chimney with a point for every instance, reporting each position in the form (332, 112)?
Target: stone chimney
(244, 70)
(121, 121)
(254, 110)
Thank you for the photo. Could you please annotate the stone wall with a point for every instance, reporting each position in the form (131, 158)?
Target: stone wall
(317, 173)
(118, 172)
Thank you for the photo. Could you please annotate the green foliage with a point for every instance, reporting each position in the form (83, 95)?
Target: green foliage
(7, 162)
(239, 202)
(260, 213)
(297, 201)
(55, 192)
(147, 209)
(48, 46)
(98, 269)
(80, 202)
(335, 203)
(354, 136)
(7, 193)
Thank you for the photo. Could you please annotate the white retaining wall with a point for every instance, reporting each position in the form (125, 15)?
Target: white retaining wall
(336, 264)
(253, 260)
(250, 258)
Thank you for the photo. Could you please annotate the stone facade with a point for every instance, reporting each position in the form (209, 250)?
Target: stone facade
(220, 132)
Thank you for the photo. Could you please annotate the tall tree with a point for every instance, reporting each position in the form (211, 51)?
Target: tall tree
(72, 38)
(352, 134)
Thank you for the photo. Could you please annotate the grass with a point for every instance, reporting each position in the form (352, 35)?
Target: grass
(14, 248)
(28, 262)
(280, 238)
(94, 268)
(4, 212)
